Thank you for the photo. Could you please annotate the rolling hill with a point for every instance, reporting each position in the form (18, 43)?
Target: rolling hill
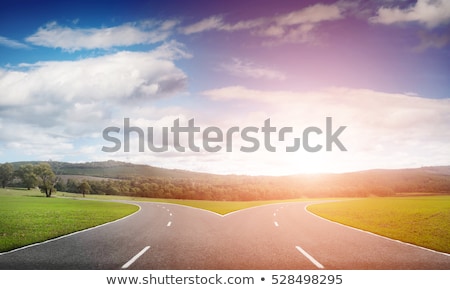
(114, 177)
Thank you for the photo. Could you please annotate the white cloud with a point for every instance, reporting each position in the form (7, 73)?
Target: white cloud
(312, 14)
(128, 34)
(54, 104)
(237, 93)
(302, 33)
(432, 40)
(32, 140)
(12, 43)
(245, 24)
(272, 31)
(210, 23)
(294, 26)
(384, 130)
(120, 76)
(248, 69)
(431, 13)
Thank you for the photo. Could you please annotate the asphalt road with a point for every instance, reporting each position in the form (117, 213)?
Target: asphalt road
(277, 236)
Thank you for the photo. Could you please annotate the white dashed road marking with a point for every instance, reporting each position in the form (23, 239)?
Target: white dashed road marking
(128, 264)
(314, 261)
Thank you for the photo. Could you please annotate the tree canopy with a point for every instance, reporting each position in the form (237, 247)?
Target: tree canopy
(6, 173)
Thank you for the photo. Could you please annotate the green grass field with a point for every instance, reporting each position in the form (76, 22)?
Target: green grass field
(28, 217)
(220, 207)
(422, 221)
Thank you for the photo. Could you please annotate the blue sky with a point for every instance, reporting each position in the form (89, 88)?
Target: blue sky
(70, 69)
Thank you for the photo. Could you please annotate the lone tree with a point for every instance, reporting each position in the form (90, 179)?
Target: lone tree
(47, 178)
(6, 174)
(84, 188)
(28, 175)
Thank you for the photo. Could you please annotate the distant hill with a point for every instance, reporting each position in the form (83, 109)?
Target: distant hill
(121, 178)
(115, 170)
(443, 170)
(380, 181)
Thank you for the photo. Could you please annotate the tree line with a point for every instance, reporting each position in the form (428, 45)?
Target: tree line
(248, 188)
(30, 176)
(226, 187)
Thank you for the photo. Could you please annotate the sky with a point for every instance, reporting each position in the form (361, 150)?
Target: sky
(240, 87)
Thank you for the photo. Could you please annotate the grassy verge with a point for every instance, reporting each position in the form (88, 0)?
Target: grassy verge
(423, 221)
(223, 207)
(27, 217)
(220, 207)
